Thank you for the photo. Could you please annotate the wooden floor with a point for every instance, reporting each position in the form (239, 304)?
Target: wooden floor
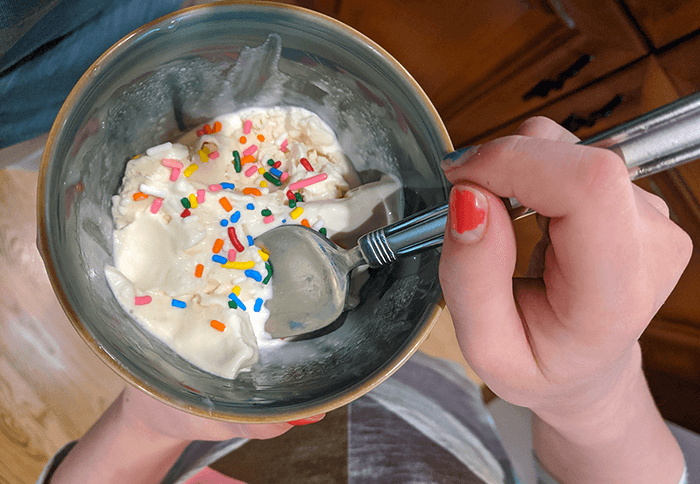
(52, 387)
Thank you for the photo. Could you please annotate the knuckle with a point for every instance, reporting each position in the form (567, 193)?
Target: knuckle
(603, 171)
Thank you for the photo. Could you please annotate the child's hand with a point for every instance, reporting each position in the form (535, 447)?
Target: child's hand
(562, 342)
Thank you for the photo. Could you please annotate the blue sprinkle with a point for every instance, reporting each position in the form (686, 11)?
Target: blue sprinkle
(224, 223)
(250, 241)
(226, 185)
(235, 217)
(219, 259)
(250, 206)
(284, 220)
(276, 172)
(253, 274)
(178, 304)
(258, 305)
(235, 299)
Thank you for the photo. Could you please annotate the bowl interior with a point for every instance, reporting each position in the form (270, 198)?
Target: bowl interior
(177, 73)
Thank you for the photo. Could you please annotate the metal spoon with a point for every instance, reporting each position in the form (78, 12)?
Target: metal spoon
(311, 273)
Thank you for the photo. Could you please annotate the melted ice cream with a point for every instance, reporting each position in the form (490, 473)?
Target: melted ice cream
(185, 265)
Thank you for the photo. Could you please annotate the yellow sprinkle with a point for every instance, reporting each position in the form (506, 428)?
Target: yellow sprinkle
(263, 184)
(264, 255)
(204, 156)
(239, 265)
(236, 290)
(137, 156)
(193, 200)
(190, 169)
(205, 148)
(261, 170)
(296, 213)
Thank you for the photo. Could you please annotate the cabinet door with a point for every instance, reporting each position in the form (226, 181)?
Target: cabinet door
(664, 21)
(478, 60)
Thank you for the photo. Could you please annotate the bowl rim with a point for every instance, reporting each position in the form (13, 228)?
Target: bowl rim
(304, 410)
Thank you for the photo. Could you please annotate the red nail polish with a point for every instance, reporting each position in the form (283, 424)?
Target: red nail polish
(307, 421)
(468, 209)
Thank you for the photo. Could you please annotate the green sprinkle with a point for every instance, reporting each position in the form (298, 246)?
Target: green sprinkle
(323, 231)
(271, 162)
(232, 305)
(298, 198)
(237, 161)
(292, 204)
(266, 212)
(185, 202)
(268, 267)
(272, 179)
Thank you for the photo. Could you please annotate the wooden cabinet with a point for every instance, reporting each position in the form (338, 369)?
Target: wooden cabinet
(483, 63)
(665, 21)
(589, 65)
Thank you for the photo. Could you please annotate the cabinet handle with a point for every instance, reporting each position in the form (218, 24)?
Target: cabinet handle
(543, 87)
(574, 122)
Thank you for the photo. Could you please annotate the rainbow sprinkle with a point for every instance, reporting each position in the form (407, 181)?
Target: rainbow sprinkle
(253, 274)
(141, 300)
(308, 181)
(190, 169)
(178, 304)
(258, 305)
(238, 302)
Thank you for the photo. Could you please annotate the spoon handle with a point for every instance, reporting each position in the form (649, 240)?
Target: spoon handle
(657, 141)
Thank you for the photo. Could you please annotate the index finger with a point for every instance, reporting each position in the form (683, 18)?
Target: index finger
(587, 194)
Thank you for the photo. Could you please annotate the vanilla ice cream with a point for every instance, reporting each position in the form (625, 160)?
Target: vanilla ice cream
(185, 264)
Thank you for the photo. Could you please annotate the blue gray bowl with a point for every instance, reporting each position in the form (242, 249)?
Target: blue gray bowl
(180, 71)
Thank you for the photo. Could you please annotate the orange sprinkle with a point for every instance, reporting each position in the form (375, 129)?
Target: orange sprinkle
(247, 159)
(207, 129)
(199, 270)
(261, 138)
(226, 204)
(243, 140)
(218, 245)
(251, 191)
(217, 127)
(218, 325)
(140, 196)
(305, 223)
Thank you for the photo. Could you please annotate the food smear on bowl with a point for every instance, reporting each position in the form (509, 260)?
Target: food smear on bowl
(186, 267)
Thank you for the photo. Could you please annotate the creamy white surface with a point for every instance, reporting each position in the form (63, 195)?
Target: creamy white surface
(156, 254)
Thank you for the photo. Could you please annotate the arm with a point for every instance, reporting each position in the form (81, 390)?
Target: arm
(138, 439)
(565, 343)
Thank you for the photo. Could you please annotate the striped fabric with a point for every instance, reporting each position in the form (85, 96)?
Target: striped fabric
(426, 424)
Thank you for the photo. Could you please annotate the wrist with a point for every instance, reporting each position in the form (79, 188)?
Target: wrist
(620, 437)
(120, 448)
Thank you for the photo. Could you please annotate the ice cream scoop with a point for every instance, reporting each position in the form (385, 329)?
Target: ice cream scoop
(311, 274)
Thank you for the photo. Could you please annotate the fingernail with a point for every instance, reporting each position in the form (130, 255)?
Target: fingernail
(458, 158)
(468, 209)
(307, 421)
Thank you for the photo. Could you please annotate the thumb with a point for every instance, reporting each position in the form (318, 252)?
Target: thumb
(476, 270)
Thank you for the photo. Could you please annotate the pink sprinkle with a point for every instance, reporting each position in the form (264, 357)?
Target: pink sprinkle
(214, 188)
(231, 255)
(200, 196)
(214, 155)
(250, 150)
(308, 181)
(170, 163)
(141, 300)
(155, 206)
(283, 146)
(284, 176)
(269, 219)
(246, 126)
(251, 171)
(174, 174)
